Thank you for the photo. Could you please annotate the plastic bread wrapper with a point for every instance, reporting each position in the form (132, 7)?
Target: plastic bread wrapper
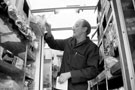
(26, 30)
(37, 23)
(110, 61)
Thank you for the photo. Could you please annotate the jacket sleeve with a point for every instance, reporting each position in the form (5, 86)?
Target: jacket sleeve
(91, 70)
(54, 44)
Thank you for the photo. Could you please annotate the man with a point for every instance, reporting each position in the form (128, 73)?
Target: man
(80, 58)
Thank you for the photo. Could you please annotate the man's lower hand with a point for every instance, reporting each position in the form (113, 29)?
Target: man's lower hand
(64, 77)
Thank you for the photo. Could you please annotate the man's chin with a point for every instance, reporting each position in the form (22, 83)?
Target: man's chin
(74, 35)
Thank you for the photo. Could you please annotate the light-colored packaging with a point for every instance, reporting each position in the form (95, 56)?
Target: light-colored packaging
(18, 62)
(1, 52)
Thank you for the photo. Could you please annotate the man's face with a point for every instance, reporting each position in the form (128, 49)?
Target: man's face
(78, 29)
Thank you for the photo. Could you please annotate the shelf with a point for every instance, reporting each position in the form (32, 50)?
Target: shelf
(102, 75)
(18, 49)
(116, 68)
(11, 42)
(14, 47)
(11, 70)
(29, 76)
(113, 83)
(31, 56)
(36, 28)
(99, 78)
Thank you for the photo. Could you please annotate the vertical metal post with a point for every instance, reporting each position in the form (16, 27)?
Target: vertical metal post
(39, 65)
(97, 86)
(25, 62)
(106, 79)
(124, 48)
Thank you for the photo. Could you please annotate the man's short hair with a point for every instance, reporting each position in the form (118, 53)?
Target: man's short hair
(86, 24)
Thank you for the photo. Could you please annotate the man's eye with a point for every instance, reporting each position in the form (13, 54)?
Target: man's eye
(77, 26)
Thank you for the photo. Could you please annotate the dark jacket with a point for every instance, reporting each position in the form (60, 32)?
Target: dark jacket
(81, 60)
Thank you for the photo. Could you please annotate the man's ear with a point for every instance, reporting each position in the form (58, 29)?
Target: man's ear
(85, 29)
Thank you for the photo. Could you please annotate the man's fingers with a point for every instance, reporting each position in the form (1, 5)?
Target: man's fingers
(47, 24)
(48, 27)
(60, 80)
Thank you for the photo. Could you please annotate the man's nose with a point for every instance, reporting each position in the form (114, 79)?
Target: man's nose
(73, 28)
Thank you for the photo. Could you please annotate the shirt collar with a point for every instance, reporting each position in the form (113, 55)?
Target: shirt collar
(74, 42)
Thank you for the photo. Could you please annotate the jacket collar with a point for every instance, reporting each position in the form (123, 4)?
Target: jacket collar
(74, 42)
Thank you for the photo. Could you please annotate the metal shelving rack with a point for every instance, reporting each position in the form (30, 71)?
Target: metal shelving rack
(13, 40)
(118, 14)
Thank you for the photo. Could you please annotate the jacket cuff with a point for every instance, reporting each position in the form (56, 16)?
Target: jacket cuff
(47, 35)
(75, 78)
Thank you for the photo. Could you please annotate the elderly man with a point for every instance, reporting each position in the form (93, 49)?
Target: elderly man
(80, 58)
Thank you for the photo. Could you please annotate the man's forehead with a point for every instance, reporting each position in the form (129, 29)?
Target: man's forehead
(79, 22)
